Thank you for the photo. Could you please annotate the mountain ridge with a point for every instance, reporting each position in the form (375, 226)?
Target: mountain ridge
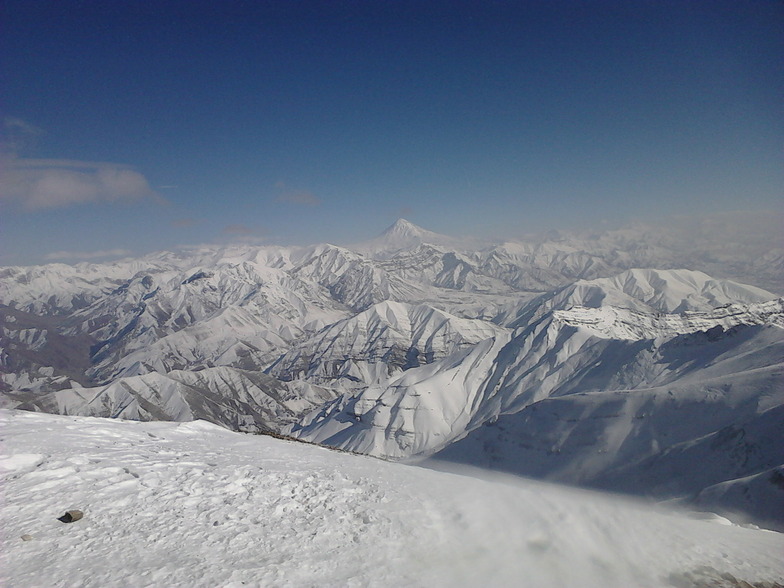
(421, 346)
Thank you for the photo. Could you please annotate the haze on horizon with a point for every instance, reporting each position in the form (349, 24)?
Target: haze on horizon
(134, 127)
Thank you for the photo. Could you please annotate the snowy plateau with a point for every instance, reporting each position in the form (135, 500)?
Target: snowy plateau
(502, 375)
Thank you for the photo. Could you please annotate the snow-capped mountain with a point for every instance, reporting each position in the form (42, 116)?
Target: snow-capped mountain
(241, 400)
(402, 236)
(379, 342)
(633, 384)
(418, 344)
(569, 351)
(643, 290)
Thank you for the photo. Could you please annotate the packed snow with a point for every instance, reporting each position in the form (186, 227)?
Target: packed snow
(192, 504)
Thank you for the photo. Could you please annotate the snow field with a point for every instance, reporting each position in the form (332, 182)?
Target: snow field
(195, 505)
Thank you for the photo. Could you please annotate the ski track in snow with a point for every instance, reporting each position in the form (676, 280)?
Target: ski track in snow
(192, 504)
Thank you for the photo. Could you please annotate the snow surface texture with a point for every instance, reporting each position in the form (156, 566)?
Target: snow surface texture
(195, 505)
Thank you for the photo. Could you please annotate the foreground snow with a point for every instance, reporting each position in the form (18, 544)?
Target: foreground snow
(195, 505)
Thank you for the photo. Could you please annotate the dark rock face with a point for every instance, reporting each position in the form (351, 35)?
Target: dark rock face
(71, 516)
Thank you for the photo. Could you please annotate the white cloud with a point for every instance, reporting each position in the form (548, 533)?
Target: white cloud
(19, 136)
(41, 184)
(73, 255)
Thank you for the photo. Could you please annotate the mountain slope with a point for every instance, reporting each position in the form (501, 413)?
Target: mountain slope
(195, 505)
(644, 290)
(714, 423)
(387, 338)
(238, 399)
(608, 368)
(565, 351)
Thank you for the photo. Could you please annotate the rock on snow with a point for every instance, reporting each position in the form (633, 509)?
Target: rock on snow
(192, 504)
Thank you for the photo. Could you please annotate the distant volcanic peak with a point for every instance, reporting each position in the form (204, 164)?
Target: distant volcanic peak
(407, 232)
(404, 228)
(403, 234)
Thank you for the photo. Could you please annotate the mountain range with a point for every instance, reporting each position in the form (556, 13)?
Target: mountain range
(564, 357)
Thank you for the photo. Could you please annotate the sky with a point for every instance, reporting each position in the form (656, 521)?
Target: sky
(132, 126)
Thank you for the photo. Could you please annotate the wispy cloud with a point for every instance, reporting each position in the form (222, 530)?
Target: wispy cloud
(30, 185)
(303, 197)
(85, 255)
(19, 136)
(40, 184)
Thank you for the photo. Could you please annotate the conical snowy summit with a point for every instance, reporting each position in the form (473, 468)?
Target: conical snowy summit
(401, 235)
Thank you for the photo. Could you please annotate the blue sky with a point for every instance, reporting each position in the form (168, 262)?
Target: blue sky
(137, 126)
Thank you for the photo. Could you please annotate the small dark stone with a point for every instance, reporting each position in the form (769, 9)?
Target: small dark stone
(71, 516)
